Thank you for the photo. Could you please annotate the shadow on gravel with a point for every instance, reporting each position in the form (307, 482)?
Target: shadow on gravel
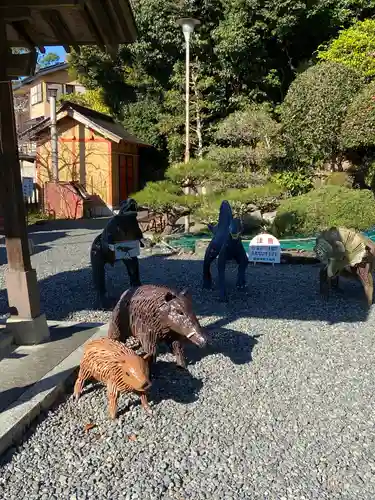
(171, 382)
(288, 292)
(96, 224)
(3, 253)
(235, 345)
(39, 238)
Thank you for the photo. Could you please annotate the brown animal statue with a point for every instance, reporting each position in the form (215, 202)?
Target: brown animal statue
(153, 314)
(119, 367)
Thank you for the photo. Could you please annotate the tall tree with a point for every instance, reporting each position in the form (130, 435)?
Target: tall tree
(45, 60)
(354, 47)
(313, 112)
(245, 50)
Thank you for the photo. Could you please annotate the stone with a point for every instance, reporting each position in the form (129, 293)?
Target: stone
(198, 227)
(252, 220)
(269, 217)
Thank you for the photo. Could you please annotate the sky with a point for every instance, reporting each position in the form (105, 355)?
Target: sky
(60, 51)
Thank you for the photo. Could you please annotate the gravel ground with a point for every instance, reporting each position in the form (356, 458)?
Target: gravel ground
(280, 406)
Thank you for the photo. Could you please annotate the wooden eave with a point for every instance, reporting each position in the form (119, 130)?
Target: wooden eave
(41, 130)
(36, 23)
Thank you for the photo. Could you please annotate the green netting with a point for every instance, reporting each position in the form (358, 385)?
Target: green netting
(307, 244)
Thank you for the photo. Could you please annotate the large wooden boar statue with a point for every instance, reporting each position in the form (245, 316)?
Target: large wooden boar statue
(154, 314)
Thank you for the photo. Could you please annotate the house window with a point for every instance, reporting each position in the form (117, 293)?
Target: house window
(56, 86)
(69, 89)
(80, 89)
(36, 94)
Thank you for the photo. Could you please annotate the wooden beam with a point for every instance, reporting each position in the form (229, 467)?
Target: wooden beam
(27, 34)
(22, 33)
(117, 14)
(58, 26)
(22, 286)
(86, 16)
(103, 21)
(16, 13)
(127, 13)
(12, 198)
(40, 4)
(21, 64)
(112, 50)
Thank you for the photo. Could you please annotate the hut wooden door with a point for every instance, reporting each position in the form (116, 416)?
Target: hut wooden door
(126, 173)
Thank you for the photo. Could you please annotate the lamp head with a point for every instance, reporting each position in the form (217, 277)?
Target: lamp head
(188, 24)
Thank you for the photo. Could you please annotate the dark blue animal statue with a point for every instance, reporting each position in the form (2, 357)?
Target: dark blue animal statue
(226, 244)
(121, 227)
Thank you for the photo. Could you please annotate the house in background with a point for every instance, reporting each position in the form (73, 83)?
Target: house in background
(31, 103)
(93, 151)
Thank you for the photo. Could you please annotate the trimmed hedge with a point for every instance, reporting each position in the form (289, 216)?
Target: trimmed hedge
(265, 198)
(314, 109)
(321, 208)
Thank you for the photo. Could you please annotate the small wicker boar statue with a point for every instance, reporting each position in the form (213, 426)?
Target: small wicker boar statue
(153, 314)
(114, 364)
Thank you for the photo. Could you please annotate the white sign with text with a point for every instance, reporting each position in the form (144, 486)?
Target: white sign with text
(264, 248)
(126, 249)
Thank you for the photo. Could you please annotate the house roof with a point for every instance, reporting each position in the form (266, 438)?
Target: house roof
(101, 123)
(44, 71)
(36, 23)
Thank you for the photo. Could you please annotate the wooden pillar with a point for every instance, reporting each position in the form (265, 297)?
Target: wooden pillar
(21, 280)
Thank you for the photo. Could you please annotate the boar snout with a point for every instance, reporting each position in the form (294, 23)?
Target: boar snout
(198, 338)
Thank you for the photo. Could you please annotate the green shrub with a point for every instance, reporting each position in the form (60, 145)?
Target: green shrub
(222, 181)
(339, 179)
(321, 208)
(193, 173)
(354, 48)
(168, 199)
(295, 182)
(357, 130)
(250, 126)
(370, 175)
(233, 159)
(314, 109)
(265, 198)
(164, 196)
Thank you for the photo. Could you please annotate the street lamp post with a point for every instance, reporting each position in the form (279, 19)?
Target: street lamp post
(188, 25)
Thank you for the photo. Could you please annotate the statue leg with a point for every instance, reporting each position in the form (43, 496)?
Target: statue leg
(335, 282)
(112, 394)
(324, 283)
(98, 275)
(151, 359)
(222, 260)
(176, 347)
(242, 261)
(209, 257)
(144, 404)
(83, 375)
(132, 265)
